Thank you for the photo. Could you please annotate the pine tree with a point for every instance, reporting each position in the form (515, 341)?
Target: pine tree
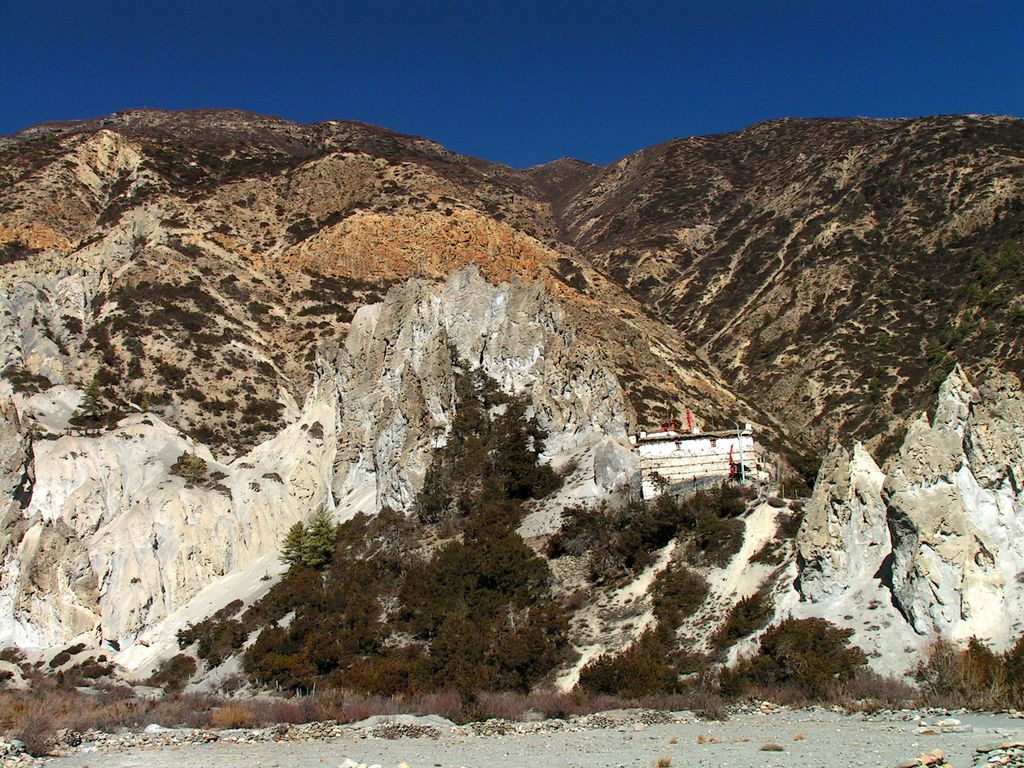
(291, 551)
(92, 402)
(319, 540)
(90, 410)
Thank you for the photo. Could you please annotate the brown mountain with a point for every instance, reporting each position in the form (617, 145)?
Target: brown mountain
(830, 269)
(819, 274)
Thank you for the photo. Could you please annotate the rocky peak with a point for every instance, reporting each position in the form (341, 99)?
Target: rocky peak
(843, 537)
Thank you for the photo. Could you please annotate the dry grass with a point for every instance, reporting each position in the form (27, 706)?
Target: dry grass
(870, 691)
(663, 762)
(772, 748)
(712, 739)
(36, 730)
(799, 736)
(233, 715)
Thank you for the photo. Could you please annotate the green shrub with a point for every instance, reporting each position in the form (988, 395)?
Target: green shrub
(640, 670)
(811, 654)
(174, 673)
(746, 617)
(191, 468)
(677, 593)
(623, 541)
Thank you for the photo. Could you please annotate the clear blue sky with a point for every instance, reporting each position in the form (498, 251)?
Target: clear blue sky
(516, 82)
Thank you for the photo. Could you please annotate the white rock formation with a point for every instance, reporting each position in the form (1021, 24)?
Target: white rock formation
(112, 541)
(844, 537)
(112, 546)
(844, 556)
(935, 547)
(956, 512)
(395, 371)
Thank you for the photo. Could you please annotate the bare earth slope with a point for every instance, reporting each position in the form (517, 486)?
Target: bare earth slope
(817, 262)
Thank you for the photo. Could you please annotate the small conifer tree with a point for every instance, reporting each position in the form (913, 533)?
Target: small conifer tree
(319, 540)
(291, 550)
(191, 468)
(92, 402)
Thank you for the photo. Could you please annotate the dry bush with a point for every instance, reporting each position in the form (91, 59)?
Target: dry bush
(446, 703)
(772, 748)
(12, 654)
(663, 762)
(745, 618)
(510, 705)
(705, 702)
(349, 707)
(190, 711)
(870, 691)
(235, 714)
(37, 730)
(562, 705)
(971, 677)
(504, 706)
(272, 711)
(785, 694)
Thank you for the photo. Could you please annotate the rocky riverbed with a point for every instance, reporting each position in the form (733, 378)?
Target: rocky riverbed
(761, 736)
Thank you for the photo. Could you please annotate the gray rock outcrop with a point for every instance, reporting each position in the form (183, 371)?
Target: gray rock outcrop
(844, 537)
(956, 512)
(942, 538)
(396, 376)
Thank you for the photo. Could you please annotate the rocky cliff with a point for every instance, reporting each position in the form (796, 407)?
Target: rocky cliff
(110, 539)
(932, 546)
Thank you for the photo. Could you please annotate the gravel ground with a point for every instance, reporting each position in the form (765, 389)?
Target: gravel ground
(809, 738)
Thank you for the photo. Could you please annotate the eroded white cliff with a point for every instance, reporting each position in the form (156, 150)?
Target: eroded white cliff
(112, 546)
(396, 374)
(933, 546)
(113, 541)
(956, 512)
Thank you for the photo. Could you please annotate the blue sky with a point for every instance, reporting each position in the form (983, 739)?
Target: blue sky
(516, 82)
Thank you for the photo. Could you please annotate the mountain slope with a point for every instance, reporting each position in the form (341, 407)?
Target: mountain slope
(815, 262)
(191, 262)
(216, 321)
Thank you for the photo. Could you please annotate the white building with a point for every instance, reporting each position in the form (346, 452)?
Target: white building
(693, 459)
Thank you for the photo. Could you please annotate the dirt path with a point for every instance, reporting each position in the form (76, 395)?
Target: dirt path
(810, 739)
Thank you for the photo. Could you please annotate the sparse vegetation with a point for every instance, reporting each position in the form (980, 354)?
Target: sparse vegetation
(191, 468)
(972, 676)
(623, 541)
(373, 610)
(174, 673)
